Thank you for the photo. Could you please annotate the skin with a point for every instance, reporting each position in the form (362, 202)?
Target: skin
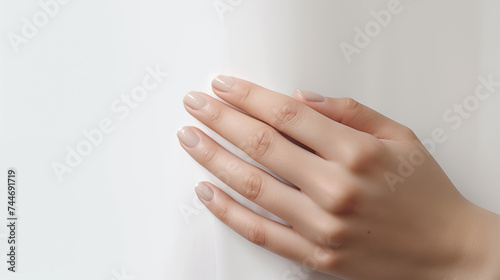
(363, 198)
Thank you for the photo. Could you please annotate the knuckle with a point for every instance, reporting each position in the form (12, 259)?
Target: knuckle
(216, 114)
(208, 155)
(286, 114)
(341, 199)
(351, 104)
(252, 186)
(408, 133)
(244, 91)
(256, 234)
(329, 261)
(222, 213)
(347, 201)
(260, 142)
(322, 259)
(332, 234)
(350, 110)
(365, 156)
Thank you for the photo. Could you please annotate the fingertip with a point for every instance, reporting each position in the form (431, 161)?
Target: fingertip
(204, 191)
(298, 96)
(310, 96)
(188, 137)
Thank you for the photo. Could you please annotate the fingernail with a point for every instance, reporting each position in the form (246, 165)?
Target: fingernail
(195, 100)
(204, 191)
(311, 96)
(223, 83)
(188, 137)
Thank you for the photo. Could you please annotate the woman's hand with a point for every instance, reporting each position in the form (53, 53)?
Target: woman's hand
(368, 201)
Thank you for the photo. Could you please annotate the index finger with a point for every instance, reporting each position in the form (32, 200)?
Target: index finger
(287, 115)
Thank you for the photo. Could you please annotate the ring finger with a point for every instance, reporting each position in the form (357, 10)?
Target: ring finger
(248, 180)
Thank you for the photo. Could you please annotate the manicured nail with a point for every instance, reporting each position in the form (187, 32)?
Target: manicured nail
(311, 96)
(204, 191)
(223, 83)
(188, 137)
(195, 100)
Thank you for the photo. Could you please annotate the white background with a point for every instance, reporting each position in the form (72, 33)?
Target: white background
(118, 214)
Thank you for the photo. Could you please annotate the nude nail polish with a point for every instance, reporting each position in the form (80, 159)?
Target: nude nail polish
(188, 137)
(204, 191)
(223, 83)
(195, 100)
(311, 96)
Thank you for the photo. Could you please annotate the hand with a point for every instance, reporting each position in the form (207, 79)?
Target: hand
(367, 202)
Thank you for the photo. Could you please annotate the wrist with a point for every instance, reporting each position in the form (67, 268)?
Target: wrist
(492, 240)
(479, 253)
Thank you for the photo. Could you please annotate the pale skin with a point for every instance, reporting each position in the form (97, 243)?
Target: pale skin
(352, 213)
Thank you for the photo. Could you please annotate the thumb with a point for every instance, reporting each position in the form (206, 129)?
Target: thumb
(355, 115)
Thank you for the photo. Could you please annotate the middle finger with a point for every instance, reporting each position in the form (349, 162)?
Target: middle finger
(257, 139)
